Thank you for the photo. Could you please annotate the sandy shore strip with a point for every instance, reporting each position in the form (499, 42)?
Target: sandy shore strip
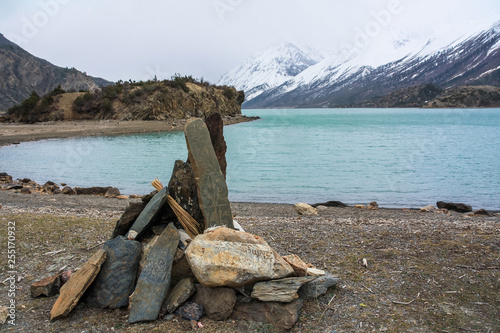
(12, 133)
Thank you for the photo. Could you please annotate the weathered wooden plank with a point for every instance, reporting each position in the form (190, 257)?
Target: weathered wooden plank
(72, 290)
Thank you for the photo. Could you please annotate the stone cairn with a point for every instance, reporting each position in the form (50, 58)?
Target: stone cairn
(151, 265)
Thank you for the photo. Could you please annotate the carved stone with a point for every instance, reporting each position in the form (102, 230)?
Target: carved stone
(148, 214)
(154, 281)
(182, 187)
(212, 187)
(226, 257)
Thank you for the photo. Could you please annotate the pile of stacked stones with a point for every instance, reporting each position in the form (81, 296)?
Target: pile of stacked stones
(151, 265)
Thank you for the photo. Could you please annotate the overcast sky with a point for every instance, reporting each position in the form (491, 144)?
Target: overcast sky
(131, 39)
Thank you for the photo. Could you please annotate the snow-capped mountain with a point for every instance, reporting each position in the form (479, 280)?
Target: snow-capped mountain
(374, 67)
(270, 68)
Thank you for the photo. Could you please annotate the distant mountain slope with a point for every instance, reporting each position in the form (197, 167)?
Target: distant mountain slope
(395, 61)
(467, 97)
(270, 69)
(21, 73)
(415, 96)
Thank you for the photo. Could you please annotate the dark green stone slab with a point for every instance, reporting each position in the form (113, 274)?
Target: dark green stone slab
(211, 184)
(116, 279)
(127, 219)
(146, 218)
(154, 281)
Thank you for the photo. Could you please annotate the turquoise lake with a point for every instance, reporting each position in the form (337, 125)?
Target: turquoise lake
(397, 157)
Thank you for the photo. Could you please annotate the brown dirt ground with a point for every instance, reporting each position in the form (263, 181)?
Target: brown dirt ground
(426, 272)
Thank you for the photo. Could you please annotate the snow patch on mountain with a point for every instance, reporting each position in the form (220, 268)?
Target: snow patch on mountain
(270, 68)
(394, 57)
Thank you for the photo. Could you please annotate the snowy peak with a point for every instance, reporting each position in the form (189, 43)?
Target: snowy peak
(270, 68)
(286, 75)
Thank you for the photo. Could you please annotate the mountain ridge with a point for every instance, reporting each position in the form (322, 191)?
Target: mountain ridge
(344, 79)
(22, 73)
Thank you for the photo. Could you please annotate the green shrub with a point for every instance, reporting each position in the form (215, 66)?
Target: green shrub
(106, 105)
(26, 106)
(229, 93)
(112, 91)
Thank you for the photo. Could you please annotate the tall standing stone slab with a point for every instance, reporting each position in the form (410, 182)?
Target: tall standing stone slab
(116, 279)
(182, 187)
(212, 187)
(154, 281)
(148, 214)
(215, 126)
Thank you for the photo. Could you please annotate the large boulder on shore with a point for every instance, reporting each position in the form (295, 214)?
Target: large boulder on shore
(305, 209)
(226, 257)
(457, 207)
(5, 178)
(96, 190)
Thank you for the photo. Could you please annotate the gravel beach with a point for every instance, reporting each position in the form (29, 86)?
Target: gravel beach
(401, 270)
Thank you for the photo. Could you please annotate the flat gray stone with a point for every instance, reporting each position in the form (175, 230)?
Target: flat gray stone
(148, 214)
(154, 281)
(282, 290)
(116, 279)
(211, 184)
(177, 296)
(318, 287)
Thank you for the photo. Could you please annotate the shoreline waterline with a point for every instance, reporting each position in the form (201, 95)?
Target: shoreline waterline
(15, 133)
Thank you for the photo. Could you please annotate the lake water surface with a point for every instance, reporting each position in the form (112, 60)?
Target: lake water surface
(397, 157)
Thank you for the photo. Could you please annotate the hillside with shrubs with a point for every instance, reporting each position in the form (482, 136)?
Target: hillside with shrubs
(178, 98)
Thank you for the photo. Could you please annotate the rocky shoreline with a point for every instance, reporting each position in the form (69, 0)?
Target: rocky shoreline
(13, 133)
